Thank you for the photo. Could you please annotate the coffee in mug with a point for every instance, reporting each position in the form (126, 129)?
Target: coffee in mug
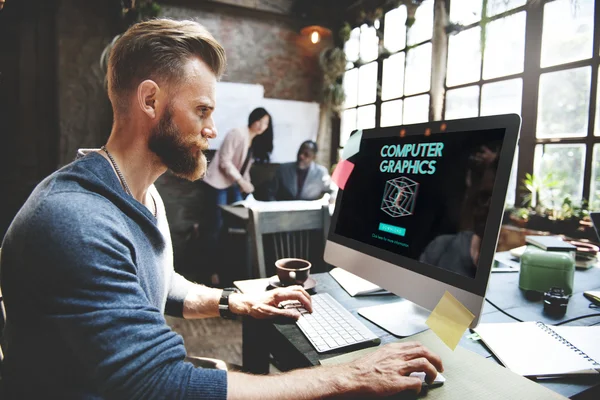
(292, 271)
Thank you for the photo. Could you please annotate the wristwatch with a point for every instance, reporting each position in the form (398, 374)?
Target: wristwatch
(224, 310)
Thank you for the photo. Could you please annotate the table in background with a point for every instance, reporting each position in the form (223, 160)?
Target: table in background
(290, 349)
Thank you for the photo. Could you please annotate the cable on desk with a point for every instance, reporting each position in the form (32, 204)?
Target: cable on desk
(560, 323)
(578, 318)
(502, 311)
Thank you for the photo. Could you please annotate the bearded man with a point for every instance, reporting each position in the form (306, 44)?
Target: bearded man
(87, 263)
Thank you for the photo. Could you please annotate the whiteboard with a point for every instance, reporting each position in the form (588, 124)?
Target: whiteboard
(235, 102)
(293, 123)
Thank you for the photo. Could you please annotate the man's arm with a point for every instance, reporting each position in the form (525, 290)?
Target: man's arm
(88, 291)
(327, 184)
(203, 302)
(229, 148)
(381, 373)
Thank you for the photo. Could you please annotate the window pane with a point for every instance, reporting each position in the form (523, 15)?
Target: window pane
(559, 168)
(351, 88)
(418, 70)
(367, 83)
(347, 125)
(464, 57)
(394, 36)
(563, 104)
(495, 7)
(422, 29)
(462, 103)
(597, 128)
(502, 97)
(369, 43)
(416, 109)
(391, 113)
(351, 46)
(366, 117)
(465, 12)
(512, 182)
(504, 46)
(393, 77)
(595, 187)
(568, 31)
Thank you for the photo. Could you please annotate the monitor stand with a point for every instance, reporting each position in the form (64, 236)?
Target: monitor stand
(402, 318)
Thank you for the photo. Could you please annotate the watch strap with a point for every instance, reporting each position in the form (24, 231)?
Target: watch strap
(224, 309)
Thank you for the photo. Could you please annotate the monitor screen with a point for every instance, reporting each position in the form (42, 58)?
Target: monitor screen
(424, 197)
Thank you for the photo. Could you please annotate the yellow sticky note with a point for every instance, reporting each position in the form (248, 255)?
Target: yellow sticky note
(449, 320)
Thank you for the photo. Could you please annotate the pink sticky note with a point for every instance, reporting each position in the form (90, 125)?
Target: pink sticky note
(342, 173)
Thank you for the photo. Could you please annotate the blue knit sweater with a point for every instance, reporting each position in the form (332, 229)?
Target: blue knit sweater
(86, 277)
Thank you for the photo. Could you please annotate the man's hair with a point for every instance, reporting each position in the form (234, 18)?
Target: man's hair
(310, 144)
(158, 49)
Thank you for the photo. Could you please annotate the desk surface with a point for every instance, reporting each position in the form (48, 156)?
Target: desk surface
(285, 339)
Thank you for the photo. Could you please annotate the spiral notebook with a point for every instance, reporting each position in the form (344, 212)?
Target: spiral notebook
(538, 350)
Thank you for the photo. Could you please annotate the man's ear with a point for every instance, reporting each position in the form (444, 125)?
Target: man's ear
(147, 97)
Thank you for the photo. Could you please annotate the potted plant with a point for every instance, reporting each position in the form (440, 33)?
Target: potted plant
(547, 209)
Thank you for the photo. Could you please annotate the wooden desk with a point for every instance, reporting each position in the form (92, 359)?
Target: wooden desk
(290, 349)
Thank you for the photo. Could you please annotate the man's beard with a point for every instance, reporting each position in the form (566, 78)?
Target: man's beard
(184, 159)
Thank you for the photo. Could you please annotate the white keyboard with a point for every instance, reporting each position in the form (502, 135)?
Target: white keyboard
(331, 326)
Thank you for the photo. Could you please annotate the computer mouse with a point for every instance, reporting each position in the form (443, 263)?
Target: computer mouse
(438, 381)
(593, 296)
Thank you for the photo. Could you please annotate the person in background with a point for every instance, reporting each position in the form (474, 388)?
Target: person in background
(303, 179)
(87, 263)
(229, 171)
(228, 175)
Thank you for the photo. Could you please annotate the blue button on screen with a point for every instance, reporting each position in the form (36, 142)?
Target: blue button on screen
(394, 230)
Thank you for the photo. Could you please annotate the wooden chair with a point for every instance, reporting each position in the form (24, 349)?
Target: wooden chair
(291, 233)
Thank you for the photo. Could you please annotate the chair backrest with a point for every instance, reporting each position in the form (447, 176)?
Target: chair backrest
(290, 233)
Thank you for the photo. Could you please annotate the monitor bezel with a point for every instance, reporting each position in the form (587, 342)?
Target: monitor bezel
(478, 285)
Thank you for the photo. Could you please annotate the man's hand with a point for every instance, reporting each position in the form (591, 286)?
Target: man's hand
(245, 186)
(385, 371)
(266, 305)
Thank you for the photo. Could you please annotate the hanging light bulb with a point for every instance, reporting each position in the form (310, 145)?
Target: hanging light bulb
(315, 37)
(315, 33)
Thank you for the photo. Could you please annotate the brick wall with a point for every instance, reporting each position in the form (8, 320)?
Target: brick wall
(261, 50)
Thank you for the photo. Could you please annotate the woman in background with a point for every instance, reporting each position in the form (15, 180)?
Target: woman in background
(228, 174)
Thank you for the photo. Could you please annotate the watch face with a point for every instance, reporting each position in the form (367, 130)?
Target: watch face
(224, 310)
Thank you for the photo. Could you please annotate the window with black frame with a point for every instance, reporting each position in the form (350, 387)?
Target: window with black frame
(567, 150)
(486, 58)
(389, 75)
(539, 59)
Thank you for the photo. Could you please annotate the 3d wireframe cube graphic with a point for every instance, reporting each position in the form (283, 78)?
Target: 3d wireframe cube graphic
(399, 197)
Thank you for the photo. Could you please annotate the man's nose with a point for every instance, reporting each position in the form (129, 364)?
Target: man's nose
(210, 130)
(209, 133)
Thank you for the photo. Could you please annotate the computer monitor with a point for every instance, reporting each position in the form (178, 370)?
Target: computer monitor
(421, 212)
(595, 217)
